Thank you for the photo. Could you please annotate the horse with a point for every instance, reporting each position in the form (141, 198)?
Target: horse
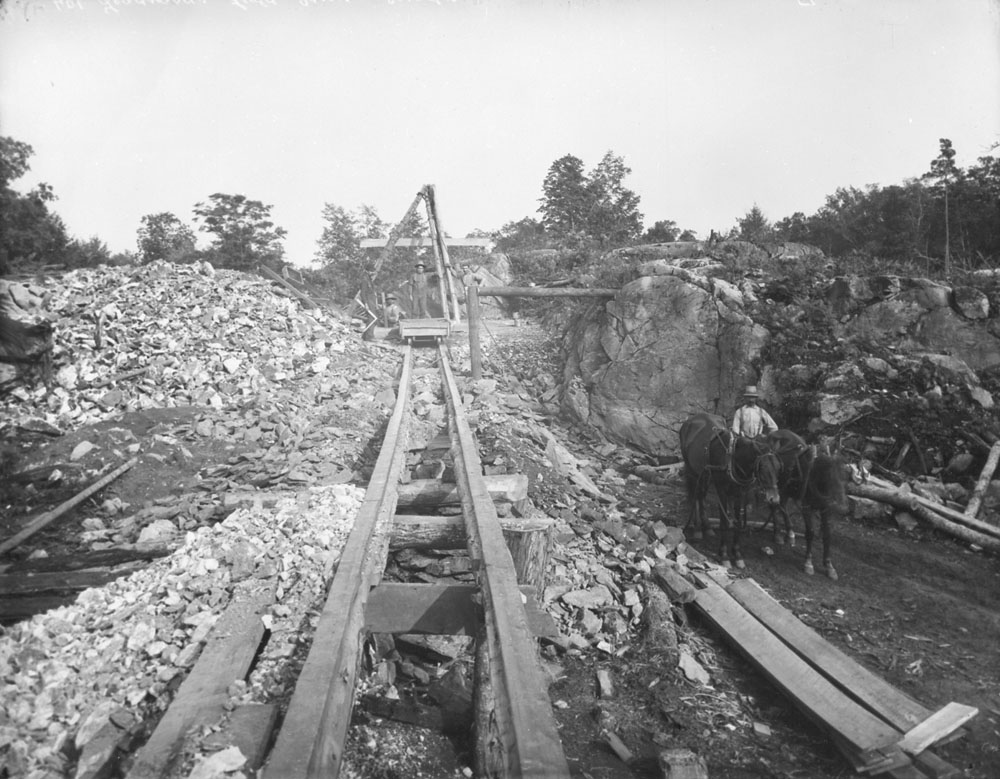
(816, 482)
(705, 448)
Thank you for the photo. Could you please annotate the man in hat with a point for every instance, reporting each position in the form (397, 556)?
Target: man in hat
(392, 312)
(750, 419)
(418, 292)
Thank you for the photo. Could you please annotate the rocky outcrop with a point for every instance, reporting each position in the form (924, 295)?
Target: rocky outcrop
(917, 315)
(671, 343)
(678, 339)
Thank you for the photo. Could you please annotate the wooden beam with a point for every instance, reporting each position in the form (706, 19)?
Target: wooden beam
(307, 301)
(870, 739)
(24, 583)
(314, 731)
(441, 610)
(417, 531)
(546, 292)
(892, 705)
(425, 242)
(529, 743)
(227, 656)
(50, 516)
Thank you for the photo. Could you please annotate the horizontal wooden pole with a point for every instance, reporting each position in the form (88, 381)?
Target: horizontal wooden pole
(546, 292)
(509, 487)
(376, 243)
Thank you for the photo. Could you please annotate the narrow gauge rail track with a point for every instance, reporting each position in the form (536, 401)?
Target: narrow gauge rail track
(516, 730)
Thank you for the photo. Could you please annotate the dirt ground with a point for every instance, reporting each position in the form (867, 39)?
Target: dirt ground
(915, 607)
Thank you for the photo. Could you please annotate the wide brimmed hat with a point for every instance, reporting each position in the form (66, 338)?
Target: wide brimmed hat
(390, 296)
(751, 391)
(419, 265)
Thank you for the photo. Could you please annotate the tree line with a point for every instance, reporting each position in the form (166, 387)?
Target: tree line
(945, 219)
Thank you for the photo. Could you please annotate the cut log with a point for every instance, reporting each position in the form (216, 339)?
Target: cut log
(909, 503)
(427, 493)
(661, 632)
(938, 508)
(546, 292)
(976, 499)
(50, 516)
(529, 544)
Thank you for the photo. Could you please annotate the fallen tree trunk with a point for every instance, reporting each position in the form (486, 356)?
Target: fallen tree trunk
(938, 508)
(976, 499)
(909, 503)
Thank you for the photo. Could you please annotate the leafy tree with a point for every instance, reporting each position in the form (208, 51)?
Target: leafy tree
(524, 235)
(688, 235)
(613, 215)
(163, 236)
(664, 231)
(29, 231)
(244, 234)
(566, 198)
(754, 226)
(579, 208)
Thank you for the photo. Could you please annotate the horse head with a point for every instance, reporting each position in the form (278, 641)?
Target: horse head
(767, 471)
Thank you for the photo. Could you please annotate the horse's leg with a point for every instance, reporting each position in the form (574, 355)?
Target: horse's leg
(808, 520)
(696, 507)
(789, 533)
(825, 530)
(737, 530)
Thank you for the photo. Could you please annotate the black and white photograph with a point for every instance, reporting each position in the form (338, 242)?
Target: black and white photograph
(499, 389)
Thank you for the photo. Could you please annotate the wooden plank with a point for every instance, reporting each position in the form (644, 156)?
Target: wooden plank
(231, 648)
(530, 746)
(314, 731)
(871, 690)
(939, 725)
(976, 499)
(869, 738)
(875, 693)
(64, 581)
(248, 727)
(442, 610)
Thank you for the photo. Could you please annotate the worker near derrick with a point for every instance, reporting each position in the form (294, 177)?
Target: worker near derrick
(751, 420)
(418, 291)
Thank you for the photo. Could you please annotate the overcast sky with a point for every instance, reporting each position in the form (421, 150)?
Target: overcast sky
(141, 106)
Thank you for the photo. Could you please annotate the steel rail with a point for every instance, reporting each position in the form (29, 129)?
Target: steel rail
(314, 731)
(524, 726)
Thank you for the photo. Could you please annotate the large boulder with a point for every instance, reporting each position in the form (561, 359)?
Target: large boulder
(670, 343)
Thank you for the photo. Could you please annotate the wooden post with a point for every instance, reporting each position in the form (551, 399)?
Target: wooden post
(976, 499)
(436, 248)
(529, 549)
(456, 318)
(475, 355)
